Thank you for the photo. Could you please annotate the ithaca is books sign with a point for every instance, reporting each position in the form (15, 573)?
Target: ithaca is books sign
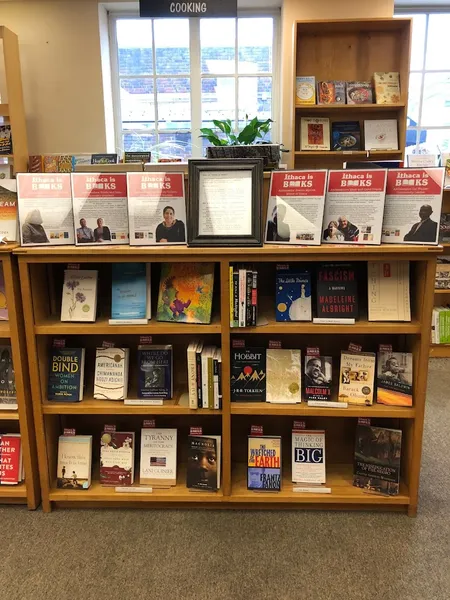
(207, 8)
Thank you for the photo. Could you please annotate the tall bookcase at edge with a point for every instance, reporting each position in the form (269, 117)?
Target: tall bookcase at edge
(12, 333)
(41, 280)
(350, 51)
(442, 297)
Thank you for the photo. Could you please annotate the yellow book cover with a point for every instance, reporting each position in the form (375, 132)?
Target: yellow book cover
(356, 378)
(387, 88)
(284, 384)
(305, 90)
(185, 292)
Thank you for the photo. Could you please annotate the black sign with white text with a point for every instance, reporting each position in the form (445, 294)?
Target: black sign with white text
(205, 8)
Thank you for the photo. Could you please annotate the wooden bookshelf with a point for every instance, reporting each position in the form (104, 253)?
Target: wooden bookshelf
(442, 297)
(41, 272)
(18, 421)
(350, 51)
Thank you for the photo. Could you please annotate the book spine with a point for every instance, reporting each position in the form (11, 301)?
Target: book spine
(248, 298)
(198, 363)
(254, 298)
(231, 297)
(205, 386)
(433, 327)
(219, 370)
(235, 298)
(216, 382)
(242, 296)
(441, 326)
(210, 362)
(192, 378)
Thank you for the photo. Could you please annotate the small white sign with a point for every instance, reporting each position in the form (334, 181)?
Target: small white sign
(312, 490)
(133, 490)
(144, 401)
(326, 404)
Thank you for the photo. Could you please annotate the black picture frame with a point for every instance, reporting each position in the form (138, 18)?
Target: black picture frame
(255, 167)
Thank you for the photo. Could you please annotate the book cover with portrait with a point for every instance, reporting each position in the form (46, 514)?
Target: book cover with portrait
(356, 378)
(395, 378)
(203, 466)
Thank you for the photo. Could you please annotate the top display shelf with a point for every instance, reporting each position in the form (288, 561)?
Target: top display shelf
(355, 25)
(350, 107)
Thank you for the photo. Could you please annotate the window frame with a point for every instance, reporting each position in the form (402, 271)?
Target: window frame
(195, 76)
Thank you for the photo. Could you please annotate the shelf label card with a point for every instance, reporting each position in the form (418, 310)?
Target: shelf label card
(237, 343)
(256, 430)
(73, 267)
(311, 490)
(327, 404)
(133, 490)
(313, 351)
(149, 424)
(69, 432)
(363, 420)
(352, 347)
(145, 339)
(196, 431)
(275, 344)
(385, 348)
(109, 428)
(107, 344)
(59, 343)
(144, 402)
(299, 425)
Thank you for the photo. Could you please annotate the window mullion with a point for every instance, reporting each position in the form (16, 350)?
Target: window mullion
(155, 95)
(236, 77)
(196, 86)
(419, 123)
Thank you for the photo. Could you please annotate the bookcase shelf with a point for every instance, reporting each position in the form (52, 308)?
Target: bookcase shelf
(9, 415)
(386, 154)
(41, 313)
(5, 331)
(349, 107)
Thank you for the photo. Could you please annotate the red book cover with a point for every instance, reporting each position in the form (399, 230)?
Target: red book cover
(10, 468)
(117, 458)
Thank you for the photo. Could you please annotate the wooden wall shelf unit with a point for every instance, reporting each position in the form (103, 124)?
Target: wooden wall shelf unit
(350, 51)
(14, 109)
(41, 271)
(12, 333)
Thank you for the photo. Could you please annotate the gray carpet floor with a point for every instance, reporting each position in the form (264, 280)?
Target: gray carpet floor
(165, 555)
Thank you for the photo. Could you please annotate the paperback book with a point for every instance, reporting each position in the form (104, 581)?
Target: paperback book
(243, 296)
(359, 92)
(346, 135)
(305, 90)
(293, 294)
(111, 373)
(264, 463)
(248, 374)
(387, 87)
(380, 134)
(395, 378)
(331, 92)
(117, 458)
(158, 457)
(66, 375)
(284, 376)
(6, 144)
(318, 378)
(377, 459)
(204, 462)
(11, 459)
(74, 462)
(155, 367)
(444, 229)
(131, 294)
(388, 291)
(356, 379)
(185, 292)
(192, 373)
(79, 296)
(8, 393)
(4, 315)
(308, 456)
(337, 293)
(314, 133)
(8, 210)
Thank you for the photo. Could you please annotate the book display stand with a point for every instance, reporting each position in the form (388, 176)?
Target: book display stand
(442, 296)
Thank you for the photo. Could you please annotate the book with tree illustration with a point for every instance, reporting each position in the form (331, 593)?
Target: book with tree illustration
(185, 292)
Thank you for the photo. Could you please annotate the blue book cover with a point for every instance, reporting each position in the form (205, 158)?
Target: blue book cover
(129, 291)
(293, 294)
(155, 372)
(66, 374)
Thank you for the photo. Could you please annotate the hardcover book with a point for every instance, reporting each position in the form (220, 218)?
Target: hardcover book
(117, 458)
(207, 367)
(10, 459)
(50, 163)
(111, 374)
(337, 291)
(359, 92)
(331, 92)
(314, 133)
(305, 90)
(388, 291)
(158, 457)
(74, 462)
(203, 468)
(380, 134)
(387, 87)
(65, 163)
(79, 297)
(264, 463)
(4, 316)
(284, 376)
(66, 374)
(377, 459)
(346, 135)
(155, 372)
(185, 292)
(308, 456)
(442, 280)
(8, 210)
(137, 157)
(130, 294)
(248, 374)
(395, 378)
(293, 294)
(356, 378)
(192, 373)
(8, 394)
(6, 144)
(444, 229)
(318, 378)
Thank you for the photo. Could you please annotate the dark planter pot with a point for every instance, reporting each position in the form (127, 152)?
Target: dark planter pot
(270, 153)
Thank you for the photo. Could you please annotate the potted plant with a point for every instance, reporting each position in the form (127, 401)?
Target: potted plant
(247, 144)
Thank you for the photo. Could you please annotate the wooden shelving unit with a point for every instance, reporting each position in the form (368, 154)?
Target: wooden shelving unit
(14, 109)
(18, 421)
(41, 272)
(350, 51)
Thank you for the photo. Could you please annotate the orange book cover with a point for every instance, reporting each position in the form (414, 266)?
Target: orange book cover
(8, 210)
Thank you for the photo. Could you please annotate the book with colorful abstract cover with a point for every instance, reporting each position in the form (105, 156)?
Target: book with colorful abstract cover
(185, 292)
(3, 302)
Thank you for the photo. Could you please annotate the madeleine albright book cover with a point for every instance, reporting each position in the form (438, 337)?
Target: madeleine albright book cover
(185, 292)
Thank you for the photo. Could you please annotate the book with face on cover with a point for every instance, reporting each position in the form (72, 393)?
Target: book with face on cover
(74, 462)
(79, 296)
(356, 380)
(117, 458)
(395, 378)
(111, 373)
(158, 457)
(284, 376)
(204, 459)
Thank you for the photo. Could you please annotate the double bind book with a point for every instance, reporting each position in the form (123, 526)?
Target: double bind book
(264, 463)
(66, 375)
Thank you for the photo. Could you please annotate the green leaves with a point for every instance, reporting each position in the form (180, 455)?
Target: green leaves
(253, 130)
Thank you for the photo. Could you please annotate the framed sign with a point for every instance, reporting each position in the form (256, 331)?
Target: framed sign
(204, 8)
(224, 206)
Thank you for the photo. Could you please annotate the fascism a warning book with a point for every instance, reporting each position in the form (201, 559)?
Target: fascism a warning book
(264, 463)
(117, 458)
(337, 291)
(356, 378)
(248, 374)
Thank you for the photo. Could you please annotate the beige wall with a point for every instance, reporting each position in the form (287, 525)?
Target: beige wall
(297, 10)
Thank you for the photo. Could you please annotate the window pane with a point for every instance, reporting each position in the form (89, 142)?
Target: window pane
(436, 99)
(138, 142)
(419, 26)
(255, 98)
(218, 99)
(255, 45)
(137, 103)
(438, 56)
(415, 86)
(174, 145)
(134, 43)
(433, 141)
(174, 103)
(411, 141)
(172, 46)
(217, 45)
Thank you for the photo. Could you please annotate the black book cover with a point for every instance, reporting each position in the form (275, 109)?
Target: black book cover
(248, 375)
(202, 463)
(337, 291)
(198, 370)
(377, 459)
(155, 372)
(255, 298)
(318, 378)
(248, 304)
(236, 296)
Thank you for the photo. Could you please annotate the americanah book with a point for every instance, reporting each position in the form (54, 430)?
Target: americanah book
(111, 373)
(264, 463)
(248, 374)
(66, 375)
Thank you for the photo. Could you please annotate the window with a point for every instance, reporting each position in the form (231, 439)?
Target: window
(429, 87)
(173, 76)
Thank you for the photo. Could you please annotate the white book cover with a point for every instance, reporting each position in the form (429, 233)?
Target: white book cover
(354, 206)
(207, 353)
(192, 374)
(8, 210)
(74, 462)
(296, 205)
(413, 206)
(388, 291)
(111, 373)
(79, 296)
(45, 209)
(100, 208)
(158, 457)
(380, 134)
(308, 456)
(283, 376)
(314, 134)
(156, 208)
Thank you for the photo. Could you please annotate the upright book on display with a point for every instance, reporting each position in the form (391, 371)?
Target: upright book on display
(284, 376)
(131, 294)
(308, 456)
(337, 293)
(156, 208)
(74, 462)
(117, 458)
(11, 459)
(388, 291)
(4, 314)
(293, 293)
(45, 209)
(155, 367)
(8, 210)
(158, 457)
(111, 373)
(394, 378)
(248, 374)
(264, 463)
(79, 296)
(66, 375)
(100, 208)
(8, 392)
(356, 379)
(204, 462)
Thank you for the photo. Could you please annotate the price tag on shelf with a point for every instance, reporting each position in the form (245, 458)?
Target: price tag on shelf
(256, 430)
(299, 425)
(354, 347)
(363, 420)
(73, 267)
(196, 431)
(107, 344)
(59, 343)
(237, 343)
(275, 344)
(145, 340)
(126, 489)
(109, 428)
(143, 402)
(69, 432)
(149, 424)
(311, 490)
